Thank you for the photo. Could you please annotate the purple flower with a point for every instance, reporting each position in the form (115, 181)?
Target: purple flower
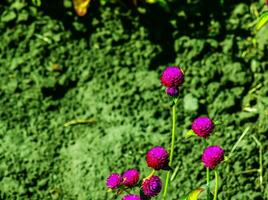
(172, 91)
(157, 158)
(212, 156)
(172, 77)
(131, 197)
(131, 177)
(203, 126)
(151, 186)
(114, 181)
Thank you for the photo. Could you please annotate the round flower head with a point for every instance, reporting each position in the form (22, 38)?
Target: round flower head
(172, 91)
(157, 158)
(113, 181)
(131, 197)
(172, 77)
(212, 156)
(203, 126)
(131, 177)
(151, 186)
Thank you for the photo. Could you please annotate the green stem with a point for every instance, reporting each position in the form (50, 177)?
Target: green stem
(216, 184)
(208, 185)
(172, 148)
(238, 141)
(260, 160)
(150, 175)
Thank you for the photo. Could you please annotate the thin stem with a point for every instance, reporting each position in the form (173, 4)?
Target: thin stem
(238, 141)
(173, 133)
(150, 175)
(166, 185)
(80, 121)
(247, 171)
(172, 147)
(208, 185)
(260, 160)
(216, 184)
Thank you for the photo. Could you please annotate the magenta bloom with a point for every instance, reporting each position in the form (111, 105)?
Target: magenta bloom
(152, 186)
(131, 177)
(212, 156)
(203, 126)
(172, 91)
(172, 77)
(157, 158)
(114, 181)
(131, 197)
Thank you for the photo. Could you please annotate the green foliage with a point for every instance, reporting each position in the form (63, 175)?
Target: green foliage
(58, 68)
(263, 19)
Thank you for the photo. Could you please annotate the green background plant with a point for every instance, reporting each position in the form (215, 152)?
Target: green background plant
(56, 67)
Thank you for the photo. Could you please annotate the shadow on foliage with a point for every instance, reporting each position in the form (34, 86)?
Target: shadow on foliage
(79, 26)
(196, 19)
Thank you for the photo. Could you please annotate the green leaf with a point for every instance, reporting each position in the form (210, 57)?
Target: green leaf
(217, 122)
(193, 195)
(189, 134)
(8, 16)
(190, 103)
(262, 20)
(36, 2)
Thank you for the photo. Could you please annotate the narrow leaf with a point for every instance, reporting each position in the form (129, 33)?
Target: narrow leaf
(189, 134)
(193, 195)
(262, 20)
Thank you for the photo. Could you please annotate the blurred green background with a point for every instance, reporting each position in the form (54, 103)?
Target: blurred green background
(56, 67)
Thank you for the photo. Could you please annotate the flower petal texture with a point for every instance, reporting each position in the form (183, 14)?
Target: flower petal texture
(114, 181)
(151, 186)
(131, 197)
(172, 91)
(172, 77)
(212, 156)
(131, 177)
(203, 126)
(157, 158)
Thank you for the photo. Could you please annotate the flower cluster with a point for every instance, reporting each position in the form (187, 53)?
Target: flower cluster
(212, 156)
(203, 127)
(172, 78)
(128, 179)
(156, 158)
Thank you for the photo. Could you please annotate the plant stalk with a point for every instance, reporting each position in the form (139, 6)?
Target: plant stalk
(172, 148)
(208, 184)
(216, 184)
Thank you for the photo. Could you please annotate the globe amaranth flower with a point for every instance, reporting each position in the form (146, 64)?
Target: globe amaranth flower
(130, 177)
(151, 186)
(203, 126)
(172, 91)
(157, 158)
(212, 156)
(131, 197)
(172, 77)
(114, 181)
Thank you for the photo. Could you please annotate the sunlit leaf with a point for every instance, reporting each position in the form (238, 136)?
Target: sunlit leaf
(188, 134)
(193, 195)
(150, 1)
(80, 7)
(262, 20)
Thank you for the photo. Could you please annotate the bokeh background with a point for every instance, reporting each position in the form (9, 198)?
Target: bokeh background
(56, 67)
